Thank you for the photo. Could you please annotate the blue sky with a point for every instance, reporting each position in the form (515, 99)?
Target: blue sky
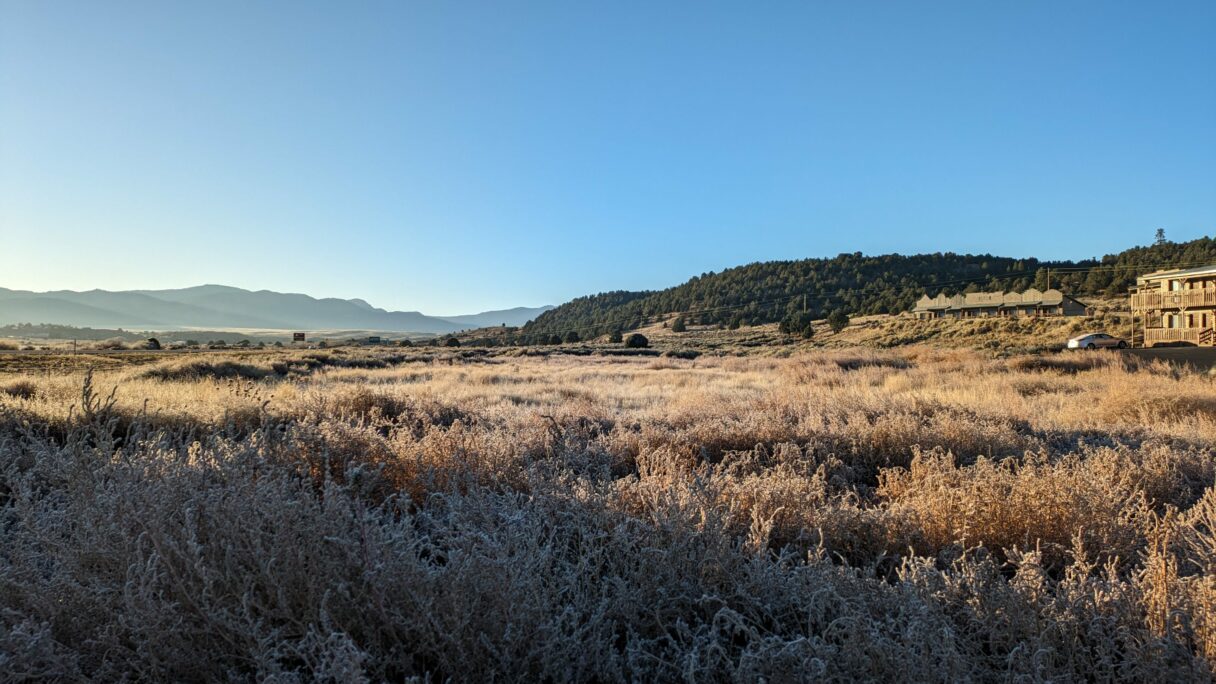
(451, 157)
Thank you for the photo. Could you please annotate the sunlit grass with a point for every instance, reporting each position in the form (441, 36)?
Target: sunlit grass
(923, 514)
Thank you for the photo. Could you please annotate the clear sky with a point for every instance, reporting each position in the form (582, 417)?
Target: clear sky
(459, 156)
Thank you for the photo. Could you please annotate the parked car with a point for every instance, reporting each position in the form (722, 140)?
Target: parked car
(1098, 340)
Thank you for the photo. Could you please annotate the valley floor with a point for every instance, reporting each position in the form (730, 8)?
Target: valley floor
(919, 513)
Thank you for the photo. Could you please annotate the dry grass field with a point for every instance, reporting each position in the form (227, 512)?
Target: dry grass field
(993, 335)
(912, 515)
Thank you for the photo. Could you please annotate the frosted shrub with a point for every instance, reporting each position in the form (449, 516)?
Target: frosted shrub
(842, 517)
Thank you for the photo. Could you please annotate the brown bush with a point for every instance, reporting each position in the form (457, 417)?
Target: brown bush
(207, 370)
(20, 389)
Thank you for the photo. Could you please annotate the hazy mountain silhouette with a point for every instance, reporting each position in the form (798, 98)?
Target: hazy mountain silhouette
(220, 306)
(517, 316)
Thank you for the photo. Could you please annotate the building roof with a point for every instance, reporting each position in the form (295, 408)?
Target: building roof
(927, 303)
(985, 300)
(1180, 272)
(974, 300)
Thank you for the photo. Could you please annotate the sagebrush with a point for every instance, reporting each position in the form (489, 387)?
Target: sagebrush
(926, 516)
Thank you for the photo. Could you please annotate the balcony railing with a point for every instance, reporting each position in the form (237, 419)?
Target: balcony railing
(1177, 299)
(1197, 336)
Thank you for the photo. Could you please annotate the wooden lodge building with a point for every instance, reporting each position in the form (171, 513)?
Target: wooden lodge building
(1176, 306)
(998, 304)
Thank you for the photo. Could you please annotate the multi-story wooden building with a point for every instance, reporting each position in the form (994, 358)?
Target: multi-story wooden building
(1177, 306)
(998, 304)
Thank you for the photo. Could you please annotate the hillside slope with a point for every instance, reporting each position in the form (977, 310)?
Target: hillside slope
(766, 292)
(222, 307)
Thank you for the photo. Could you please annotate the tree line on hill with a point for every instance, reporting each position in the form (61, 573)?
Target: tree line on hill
(853, 284)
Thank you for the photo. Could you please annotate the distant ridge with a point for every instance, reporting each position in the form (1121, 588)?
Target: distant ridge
(488, 319)
(224, 307)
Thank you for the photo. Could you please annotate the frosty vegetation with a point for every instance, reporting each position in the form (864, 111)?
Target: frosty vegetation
(922, 515)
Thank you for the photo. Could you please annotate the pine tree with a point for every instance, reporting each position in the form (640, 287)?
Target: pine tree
(797, 324)
(838, 320)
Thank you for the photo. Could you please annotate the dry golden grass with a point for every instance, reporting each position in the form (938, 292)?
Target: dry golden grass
(924, 515)
(995, 335)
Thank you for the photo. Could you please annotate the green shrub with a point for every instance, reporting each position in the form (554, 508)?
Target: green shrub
(838, 320)
(637, 341)
(797, 324)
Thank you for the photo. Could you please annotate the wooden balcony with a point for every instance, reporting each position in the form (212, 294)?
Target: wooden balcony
(1202, 337)
(1177, 299)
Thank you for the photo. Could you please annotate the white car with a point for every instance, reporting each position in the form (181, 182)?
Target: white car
(1098, 340)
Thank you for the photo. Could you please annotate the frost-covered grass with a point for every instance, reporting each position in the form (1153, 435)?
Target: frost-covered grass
(922, 515)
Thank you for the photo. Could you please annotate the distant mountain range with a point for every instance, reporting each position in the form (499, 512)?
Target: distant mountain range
(221, 307)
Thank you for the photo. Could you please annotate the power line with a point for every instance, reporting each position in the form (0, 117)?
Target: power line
(762, 302)
(609, 323)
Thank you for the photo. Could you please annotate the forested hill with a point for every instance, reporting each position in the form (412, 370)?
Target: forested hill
(766, 292)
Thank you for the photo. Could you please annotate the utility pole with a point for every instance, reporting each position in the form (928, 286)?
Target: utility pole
(803, 302)
(1048, 278)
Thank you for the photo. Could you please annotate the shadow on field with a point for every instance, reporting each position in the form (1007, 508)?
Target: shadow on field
(1198, 358)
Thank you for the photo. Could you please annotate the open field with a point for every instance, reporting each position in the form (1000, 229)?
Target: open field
(993, 335)
(914, 514)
